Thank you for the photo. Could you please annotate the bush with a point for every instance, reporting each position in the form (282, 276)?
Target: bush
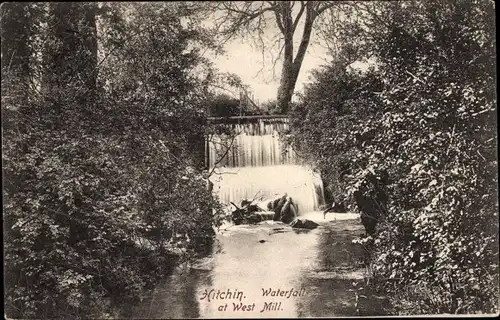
(431, 127)
(87, 220)
(102, 194)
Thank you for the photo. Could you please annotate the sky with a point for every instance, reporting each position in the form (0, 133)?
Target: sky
(246, 61)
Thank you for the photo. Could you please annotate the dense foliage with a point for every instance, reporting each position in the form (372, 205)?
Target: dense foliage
(425, 114)
(270, 107)
(102, 117)
(223, 105)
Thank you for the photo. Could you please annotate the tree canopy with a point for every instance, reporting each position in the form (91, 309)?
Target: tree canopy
(102, 119)
(422, 120)
(258, 19)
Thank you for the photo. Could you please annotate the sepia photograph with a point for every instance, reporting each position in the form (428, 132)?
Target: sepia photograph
(249, 159)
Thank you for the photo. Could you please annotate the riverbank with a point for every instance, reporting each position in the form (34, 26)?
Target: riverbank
(271, 270)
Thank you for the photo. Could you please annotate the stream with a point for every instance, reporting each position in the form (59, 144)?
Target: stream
(315, 272)
(267, 270)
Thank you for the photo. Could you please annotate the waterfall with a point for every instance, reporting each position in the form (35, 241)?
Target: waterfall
(257, 166)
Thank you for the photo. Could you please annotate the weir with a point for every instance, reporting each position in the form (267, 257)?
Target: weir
(257, 166)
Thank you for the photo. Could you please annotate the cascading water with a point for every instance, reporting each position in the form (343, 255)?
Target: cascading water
(257, 167)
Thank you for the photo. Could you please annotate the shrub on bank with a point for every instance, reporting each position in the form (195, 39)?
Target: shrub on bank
(86, 221)
(100, 195)
(432, 127)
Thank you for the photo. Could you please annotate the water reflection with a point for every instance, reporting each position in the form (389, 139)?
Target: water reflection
(255, 258)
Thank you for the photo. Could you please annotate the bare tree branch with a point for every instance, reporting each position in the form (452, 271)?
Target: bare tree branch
(250, 18)
(224, 154)
(299, 15)
(326, 5)
(279, 22)
(306, 36)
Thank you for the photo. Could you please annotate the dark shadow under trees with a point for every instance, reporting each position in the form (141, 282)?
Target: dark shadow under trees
(103, 192)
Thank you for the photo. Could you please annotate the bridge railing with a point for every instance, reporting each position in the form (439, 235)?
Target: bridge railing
(243, 119)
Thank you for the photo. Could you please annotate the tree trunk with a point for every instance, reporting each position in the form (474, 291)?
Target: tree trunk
(76, 29)
(285, 90)
(71, 57)
(291, 67)
(16, 24)
(70, 76)
(284, 93)
(15, 64)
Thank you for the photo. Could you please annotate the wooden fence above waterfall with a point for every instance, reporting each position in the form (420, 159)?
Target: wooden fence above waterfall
(247, 119)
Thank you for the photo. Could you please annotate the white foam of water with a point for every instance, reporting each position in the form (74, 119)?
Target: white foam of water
(250, 150)
(257, 144)
(266, 183)
(317, 216)
(256, 167)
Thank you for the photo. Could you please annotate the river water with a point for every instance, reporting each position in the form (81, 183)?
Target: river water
(259, 166)
(316, 270)
(268, 269)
